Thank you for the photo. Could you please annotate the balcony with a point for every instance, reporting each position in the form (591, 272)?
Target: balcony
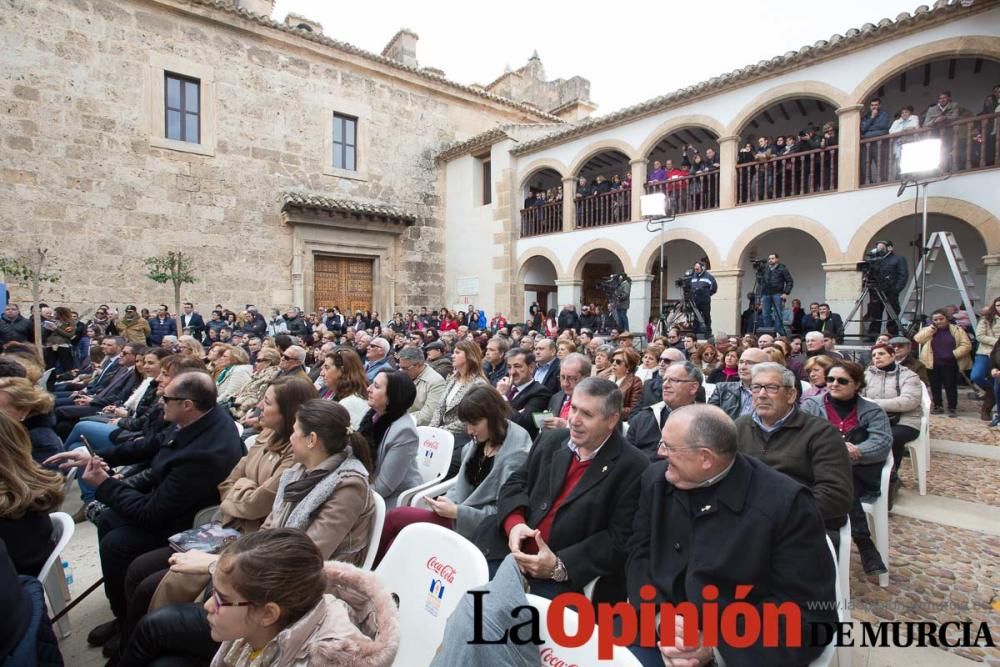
(793, 175)
(545, 218)
(690, 194)
(607, 208)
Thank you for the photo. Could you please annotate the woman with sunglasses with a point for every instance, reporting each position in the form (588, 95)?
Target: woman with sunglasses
(865, 429)
(623, 364)
(944, 350)
(265, 370)
(344, 381)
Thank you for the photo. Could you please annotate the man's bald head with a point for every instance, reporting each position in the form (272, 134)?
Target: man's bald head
(750, 356)
(196, 386)
(673, 354)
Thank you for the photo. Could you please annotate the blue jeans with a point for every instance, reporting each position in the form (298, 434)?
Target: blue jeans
(87, 492)
(622, 314)
(772, 312)
(981, 371)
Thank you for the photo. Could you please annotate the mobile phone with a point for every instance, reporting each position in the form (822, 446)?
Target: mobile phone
(86, 443)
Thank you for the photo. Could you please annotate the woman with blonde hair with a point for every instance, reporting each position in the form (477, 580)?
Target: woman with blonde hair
(234, 372)
(265, 370)
(190, 346)
(650, 361)
(23, 401)
(28, 493)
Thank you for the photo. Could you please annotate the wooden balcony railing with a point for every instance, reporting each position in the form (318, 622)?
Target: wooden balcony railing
(690, 193)
(968, 144)
(544, 219)
(791, 175)
(604, 209)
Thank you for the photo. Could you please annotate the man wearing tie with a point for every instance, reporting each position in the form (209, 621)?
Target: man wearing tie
(681, 382)
(192, 320)
(573, 368)
(525, 395)
(112, 348)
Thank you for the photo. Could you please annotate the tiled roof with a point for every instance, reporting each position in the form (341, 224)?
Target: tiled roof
(921, 18)
(348, 206)
(229, 7)
(483, 140)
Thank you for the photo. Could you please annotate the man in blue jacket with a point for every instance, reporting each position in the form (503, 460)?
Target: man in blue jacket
(874, 159)
(161, 325)
(703, 287)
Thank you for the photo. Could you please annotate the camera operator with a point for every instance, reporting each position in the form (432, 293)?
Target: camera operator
(776, 283)
(890, 275)
(700, 286)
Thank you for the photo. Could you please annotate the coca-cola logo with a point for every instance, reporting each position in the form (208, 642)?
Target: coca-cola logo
(443, 570)
(549, 657)
(430, 444)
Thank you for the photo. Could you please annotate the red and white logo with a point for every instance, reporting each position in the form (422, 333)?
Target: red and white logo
(549, 657)
(445, 571)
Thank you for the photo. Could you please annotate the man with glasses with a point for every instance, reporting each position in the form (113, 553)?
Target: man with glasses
(709, 515)
(292, 362)
(806, 448)
(653, 387)
(735, 398)
(573, 368)
(902, 350)
(525, 395)
(377, 358)
(430, 385)
(115, 392)
(681, 382)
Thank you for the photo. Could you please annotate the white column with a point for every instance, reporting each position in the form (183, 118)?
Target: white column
(569, 291)
(843, 285)
(992, 285)
(727, 304)
(640, 301)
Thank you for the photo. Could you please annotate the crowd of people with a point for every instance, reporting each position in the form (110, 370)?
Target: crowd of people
(327, 409)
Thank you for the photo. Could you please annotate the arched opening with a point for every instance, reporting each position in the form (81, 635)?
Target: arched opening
(788, 149)
(908, 110)
(538, 275)
(800, 253)
(941, 286)
(542, 212)
(684, 164)
(594, 267)
(603, 190)
(678, 257)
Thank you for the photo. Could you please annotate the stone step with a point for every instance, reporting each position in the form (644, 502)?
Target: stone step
(948, 511)
(991, 452)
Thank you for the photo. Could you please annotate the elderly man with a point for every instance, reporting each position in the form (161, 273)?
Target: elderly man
(709, 516)
(814, 344)
(377, 358)
(680, 385)
(734, 397)
(184, 476)
(430, 385)
(438, 359)
(547, 364)
(806, 448)
(525, 395)
(573, 368)
(565, 515)
(901, 347)
(495, 366)
(293, 362)
(653, 387)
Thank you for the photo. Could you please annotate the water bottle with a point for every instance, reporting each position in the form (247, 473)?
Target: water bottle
(67, 572)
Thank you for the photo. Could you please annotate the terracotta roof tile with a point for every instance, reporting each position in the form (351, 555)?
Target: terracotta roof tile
(313, 201)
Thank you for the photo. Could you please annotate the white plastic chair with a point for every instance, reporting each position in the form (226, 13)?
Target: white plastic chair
(832, 654)
(433, 460)
(805, 385)
(68, 484)
(877, 513)
(432, 491)
(52, 576)
(920, 449)
(584, 656)
(376, 533)
(206, 515)
(709, 390)
(250, 442)
(844, 587)
(428, 569)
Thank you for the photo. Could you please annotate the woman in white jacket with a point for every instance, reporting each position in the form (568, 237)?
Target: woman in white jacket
(987, 334)
(234, 372)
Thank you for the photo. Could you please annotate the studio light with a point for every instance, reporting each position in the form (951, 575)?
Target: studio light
(654, 205)
(920, 157)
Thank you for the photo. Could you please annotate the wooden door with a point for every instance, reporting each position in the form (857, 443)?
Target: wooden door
(345, 282)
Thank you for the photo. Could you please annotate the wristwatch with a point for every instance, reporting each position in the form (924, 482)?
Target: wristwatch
(559, 572)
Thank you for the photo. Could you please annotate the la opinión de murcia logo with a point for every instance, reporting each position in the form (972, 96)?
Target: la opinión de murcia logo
(443, 570)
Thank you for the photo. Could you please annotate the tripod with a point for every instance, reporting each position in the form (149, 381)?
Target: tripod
(869, 288)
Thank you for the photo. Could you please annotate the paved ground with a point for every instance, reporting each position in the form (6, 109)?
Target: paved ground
(962, 477)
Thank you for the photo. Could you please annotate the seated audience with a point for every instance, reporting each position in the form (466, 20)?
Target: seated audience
(735, 398)
(233, 372)
(115, 392)
(728, 370)
(265, 370)
(623, 364)
(468, 371)
(293, 359)
(650, 362)
(494, 363)
(602, 361)
(392, 435)
(679, 387)
(572, 370)
(430, 386)
(525, 395)
(547, 364)
(24, 402)
(377, 359)
(344, 381)
(815, 370)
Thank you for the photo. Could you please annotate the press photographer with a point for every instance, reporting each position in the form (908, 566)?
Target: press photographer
(618, 288)
(699, 285)
(889, 273)
(776, 282)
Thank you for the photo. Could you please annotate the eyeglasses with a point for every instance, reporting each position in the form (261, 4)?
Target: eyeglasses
(615, 362)
(664, 360)
(841, 381)
(288, 358)
(676, 381)
(167, 399)
(664, 447)
(771, 389)
(219, 602)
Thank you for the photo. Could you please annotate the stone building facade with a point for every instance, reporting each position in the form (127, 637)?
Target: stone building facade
(256, 201)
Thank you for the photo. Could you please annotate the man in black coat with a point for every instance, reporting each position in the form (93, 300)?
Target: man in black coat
(115, 392)
(776, 282)
(184, 476)
(568, 319)
(547, 364)
(191, 319)
(14, 327)
(890, 275)
(710, 516)
(566, 514)
(526, 397)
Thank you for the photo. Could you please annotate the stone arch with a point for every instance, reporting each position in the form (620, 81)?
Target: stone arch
(987, 224)
(575, 265)
(598, 147)
(651, 252)
(542, 163)
(823, 236)
(538, 252)
(679, 123)
(823, 91)
(976, 45)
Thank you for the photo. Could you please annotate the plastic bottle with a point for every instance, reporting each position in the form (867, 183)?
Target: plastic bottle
(67, 572)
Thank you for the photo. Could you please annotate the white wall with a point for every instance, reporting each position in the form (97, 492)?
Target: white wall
(800, 253)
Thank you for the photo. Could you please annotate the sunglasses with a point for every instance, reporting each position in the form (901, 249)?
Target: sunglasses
(167, 399)
(841, 381)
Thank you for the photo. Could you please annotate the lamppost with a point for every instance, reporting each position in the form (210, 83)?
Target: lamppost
(657, 209)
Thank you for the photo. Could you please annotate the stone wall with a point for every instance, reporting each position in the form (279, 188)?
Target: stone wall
(82, 178)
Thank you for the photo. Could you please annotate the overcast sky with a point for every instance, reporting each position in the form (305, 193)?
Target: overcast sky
(629, 51)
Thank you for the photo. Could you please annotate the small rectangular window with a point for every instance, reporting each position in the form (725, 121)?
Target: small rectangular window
(487, 182)
(182, 108)
(345, 142)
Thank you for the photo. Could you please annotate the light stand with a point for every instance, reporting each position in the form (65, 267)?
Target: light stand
(919, 165)
(658, 210)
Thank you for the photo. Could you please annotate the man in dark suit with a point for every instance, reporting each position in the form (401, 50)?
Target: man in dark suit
(710, 516)
(572, 369)
(112, 349)
(192, 320)
(547, 364)
(652, 388)
(526, 397)
(115, 392)
(681, 382)
(578, 493)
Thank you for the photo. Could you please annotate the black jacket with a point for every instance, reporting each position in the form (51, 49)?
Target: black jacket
(589, 321)
(703, 286)
(20, 330)
(137, 420)
(195, 322)
(892, 273)
(777, 280)
(833, 323)
(756, 527)
(533, 398)
(185, 474)
(256, 326)
(494, 375)
(297, 326)
(644, 429)
(652, 390)
(556, 402)
(551, 380)
(568, 320)
(592, 526)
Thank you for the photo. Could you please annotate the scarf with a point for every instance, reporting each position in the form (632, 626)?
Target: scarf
(322, 482)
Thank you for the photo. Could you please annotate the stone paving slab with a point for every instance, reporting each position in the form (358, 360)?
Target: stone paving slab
(962, 477)
(967, 427)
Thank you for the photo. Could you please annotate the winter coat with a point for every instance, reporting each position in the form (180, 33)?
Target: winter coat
(134, 330)
(962, 352)
(248, 492)
(892, 273)
(987, 335)
(871, 418)
(296, 326)
(777, 280)
(249, 396)
(237, 378)
(160, 328)
(897, 392)
(355, 624)
(19, 329)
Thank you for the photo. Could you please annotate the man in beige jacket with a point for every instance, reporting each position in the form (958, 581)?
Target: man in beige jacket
(430, 384)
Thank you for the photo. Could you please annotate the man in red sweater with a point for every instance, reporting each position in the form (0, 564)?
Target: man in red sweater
(567, 513)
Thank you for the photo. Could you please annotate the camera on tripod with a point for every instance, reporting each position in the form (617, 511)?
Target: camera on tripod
(870, 265)
(684, 282)
(758, 264)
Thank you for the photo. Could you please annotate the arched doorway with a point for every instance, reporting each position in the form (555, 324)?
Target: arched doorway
(970, 138)
(603, 190)
(594, 267)
(788, 149)
(542, 203)
(538, 275)
(799, 252)
(678, 257)
(684, 164)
